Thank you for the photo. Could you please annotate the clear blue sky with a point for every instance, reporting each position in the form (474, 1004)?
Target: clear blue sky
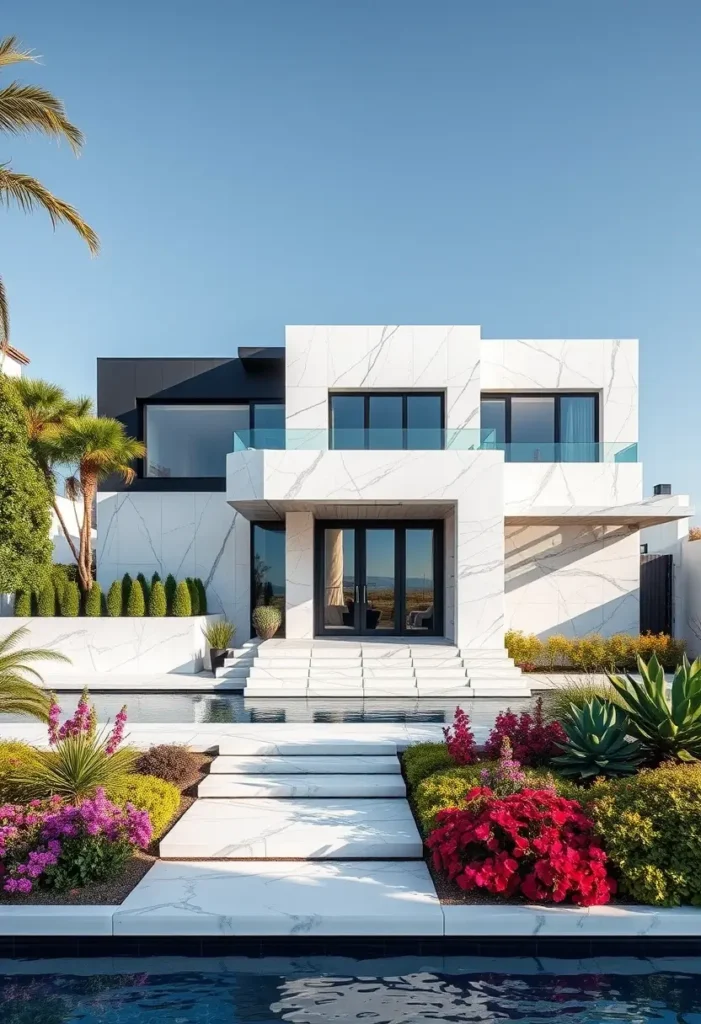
(533, 167)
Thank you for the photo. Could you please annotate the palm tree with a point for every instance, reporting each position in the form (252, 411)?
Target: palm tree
(46, 409)
(18, 695)
(25, 109)
(99, 447)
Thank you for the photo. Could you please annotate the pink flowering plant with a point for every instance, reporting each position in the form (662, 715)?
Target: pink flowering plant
(79, 759)
(504, 776)
(58, 845)
(460, 739)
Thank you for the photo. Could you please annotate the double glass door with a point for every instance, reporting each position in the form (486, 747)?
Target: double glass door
(374, 580)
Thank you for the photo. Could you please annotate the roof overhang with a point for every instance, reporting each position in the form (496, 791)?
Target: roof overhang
(649, 512)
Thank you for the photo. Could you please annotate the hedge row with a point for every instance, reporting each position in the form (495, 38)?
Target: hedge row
(592, 653)
(126, 597)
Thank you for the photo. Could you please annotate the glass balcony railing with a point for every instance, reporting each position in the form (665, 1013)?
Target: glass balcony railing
(433, 439)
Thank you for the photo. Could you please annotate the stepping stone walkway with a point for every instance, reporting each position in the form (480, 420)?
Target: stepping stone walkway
(337, 808)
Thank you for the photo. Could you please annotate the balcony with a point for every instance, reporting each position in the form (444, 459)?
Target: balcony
(466, 439)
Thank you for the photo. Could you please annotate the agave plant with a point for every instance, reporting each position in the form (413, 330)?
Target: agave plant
(596, 742)
(668, 727)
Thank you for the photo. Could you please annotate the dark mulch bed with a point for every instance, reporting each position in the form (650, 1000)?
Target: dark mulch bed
(117, 889)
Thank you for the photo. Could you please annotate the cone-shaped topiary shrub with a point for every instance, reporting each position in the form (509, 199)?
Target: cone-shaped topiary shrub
(23, 603)
(194, 596)
(202, 595)
(46, 601)
(157, 606)
(181, 601)
(93, 602)
(126, 589)
(170, 586)
(155, 578)
(114, 599)
(146, 588)
(266, 621)
(136, 605)
(69, 599)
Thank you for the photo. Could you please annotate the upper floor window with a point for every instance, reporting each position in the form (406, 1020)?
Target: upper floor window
(193, 440)
(388, 420)
(542, 427)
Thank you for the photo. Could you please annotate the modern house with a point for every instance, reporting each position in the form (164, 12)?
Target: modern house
(390, 481)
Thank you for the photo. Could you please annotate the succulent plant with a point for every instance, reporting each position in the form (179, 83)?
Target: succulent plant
(266, 620)
(668, 727)
(596, 742)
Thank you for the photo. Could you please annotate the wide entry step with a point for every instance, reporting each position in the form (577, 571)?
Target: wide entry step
(306, 765)
(231, 829)
(302, 786)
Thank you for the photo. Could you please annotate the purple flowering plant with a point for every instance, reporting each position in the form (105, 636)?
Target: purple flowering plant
(79, 759)
(53, 844)
(504, 777)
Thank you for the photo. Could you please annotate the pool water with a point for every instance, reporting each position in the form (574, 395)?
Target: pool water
(234, 708)
(398, 991)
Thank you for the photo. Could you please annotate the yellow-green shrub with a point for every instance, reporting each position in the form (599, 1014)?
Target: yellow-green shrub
(651, 828)
(15, 758)
(147, 793)
(448, 788)
(423, 759)
(593, 653)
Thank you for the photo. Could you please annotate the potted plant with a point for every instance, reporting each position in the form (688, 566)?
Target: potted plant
(218, 635)
(266, 621)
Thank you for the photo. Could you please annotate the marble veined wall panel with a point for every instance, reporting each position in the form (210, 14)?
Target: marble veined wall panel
(553, 484)
(572, 580)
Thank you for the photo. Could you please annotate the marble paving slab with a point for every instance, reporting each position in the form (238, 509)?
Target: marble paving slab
(261, 742)
(310, 829)
(268, 898)
(302, 786)
(56, 920)
(331, 765)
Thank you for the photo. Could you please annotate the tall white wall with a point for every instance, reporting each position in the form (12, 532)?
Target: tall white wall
(572, 579)
(185, 533)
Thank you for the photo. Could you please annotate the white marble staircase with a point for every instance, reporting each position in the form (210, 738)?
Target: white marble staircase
(373, 668)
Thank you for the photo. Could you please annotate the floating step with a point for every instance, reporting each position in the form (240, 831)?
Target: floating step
(290, 787)
(236, 829)
(500, 689)
(263, 744)
(306, 765)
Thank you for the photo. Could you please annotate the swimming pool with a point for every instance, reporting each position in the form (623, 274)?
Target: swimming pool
(404, 990)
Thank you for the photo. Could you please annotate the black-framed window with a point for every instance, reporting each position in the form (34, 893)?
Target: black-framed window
(190, 440)
(542, 427)
(386, 420)
(268, 572)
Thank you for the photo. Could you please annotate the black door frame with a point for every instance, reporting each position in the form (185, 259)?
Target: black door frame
(360, 526)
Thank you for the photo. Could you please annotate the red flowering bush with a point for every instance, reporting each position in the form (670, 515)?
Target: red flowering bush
(460, 739)
(533, 740)
(533, 843)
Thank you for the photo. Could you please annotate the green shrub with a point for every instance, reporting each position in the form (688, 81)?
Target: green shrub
(266, 620)
(447, 788)
(423, 759)
(69, 600)
(25, 502)
(170, 586)
(16, 759)
(155, 579)
(202, 593)
(181, 601)
(23, 603)
(194, 596)
(93, 602)
(61, 575)
(126, 590)
(136, 605)
(46, 601)
(157, 607)
(147, 793)
(651, 828)
(171, 762)
(114, 599)
(145, 589)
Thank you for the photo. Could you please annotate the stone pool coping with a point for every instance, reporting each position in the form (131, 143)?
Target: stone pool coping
(476, 921)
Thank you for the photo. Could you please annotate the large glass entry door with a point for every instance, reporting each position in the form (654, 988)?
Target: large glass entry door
(379, 580)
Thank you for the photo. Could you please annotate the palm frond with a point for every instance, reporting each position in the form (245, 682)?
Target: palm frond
(18, 695)
(11, 54)
(4, 317)
(29, 108)
(28, 193)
